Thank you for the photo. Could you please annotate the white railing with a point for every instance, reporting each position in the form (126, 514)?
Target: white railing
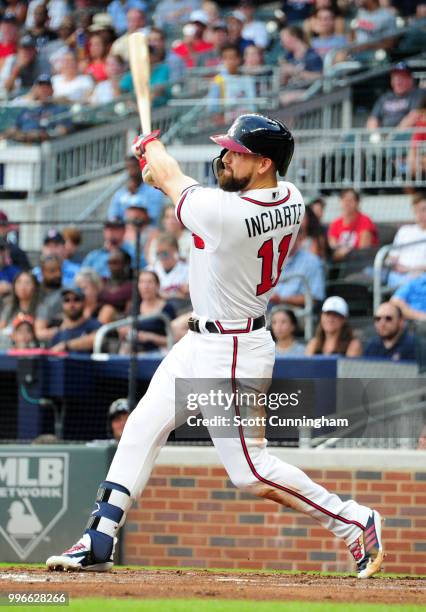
(324, 159)
(106, 329)
(335, 159)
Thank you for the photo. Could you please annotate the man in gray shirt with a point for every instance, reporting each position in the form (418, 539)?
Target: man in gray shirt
(396, 108)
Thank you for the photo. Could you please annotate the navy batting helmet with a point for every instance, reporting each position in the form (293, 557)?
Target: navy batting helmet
(258, 134)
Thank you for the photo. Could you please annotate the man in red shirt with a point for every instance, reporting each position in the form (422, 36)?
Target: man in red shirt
(9, 32)
(193, 46)
(353, 230)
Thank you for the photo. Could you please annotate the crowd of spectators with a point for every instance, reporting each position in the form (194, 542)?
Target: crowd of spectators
(70, 292)
(55, 55)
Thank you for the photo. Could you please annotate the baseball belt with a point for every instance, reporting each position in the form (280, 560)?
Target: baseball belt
(215, 327)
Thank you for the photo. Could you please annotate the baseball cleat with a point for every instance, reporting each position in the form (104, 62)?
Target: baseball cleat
(80, 557)
(367, 550)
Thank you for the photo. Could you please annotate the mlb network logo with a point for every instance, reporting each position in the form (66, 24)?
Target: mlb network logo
(34, 496)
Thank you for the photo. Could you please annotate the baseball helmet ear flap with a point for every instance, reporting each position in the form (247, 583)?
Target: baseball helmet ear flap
(217, 163)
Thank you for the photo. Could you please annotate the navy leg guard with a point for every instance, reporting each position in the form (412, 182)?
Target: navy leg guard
(108, 515)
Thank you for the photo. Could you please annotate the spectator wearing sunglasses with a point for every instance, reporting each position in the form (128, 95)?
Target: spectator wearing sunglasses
(77, 333)
(392, 340)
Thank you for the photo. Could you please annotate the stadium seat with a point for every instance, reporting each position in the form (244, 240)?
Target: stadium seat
(359, 296)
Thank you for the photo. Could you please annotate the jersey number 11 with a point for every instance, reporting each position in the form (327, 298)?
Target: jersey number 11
(266, 254)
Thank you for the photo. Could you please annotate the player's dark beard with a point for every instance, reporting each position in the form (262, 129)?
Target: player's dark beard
(230, 183)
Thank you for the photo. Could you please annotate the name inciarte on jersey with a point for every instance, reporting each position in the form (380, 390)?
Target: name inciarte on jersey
(268, 220)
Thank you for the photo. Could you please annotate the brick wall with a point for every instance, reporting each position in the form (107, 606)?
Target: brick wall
(193, 516)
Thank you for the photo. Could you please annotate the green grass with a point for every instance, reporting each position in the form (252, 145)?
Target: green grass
(225, 605)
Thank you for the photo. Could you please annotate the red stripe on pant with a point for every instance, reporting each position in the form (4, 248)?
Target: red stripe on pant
(337, 517)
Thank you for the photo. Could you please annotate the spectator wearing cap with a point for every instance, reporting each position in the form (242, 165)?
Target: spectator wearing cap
(41, 123)
(24, 298)
(353, 230)
(23, 334)
(26, 67)
(334, 334)
(253, 29)
(303, 263)
(49, 310)
(171, 13)
(411, 299)
(235, 24)
(69, 85)
(136, 21)
(19, 257)
(8, 270)
(300, 64)
(397, 108)
(153, 198)
(392, 340)
(118, 10)
(137, 220)
(118, 413)
(102, 24)
(193, 47)
(54, 244)
(76, 333)
(114, 230)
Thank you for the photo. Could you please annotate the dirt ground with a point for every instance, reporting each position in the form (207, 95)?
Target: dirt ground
(203, 584)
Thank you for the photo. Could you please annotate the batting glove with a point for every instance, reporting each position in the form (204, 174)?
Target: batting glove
(140, 143)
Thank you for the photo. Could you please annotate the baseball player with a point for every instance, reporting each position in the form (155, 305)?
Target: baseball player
(242, 233)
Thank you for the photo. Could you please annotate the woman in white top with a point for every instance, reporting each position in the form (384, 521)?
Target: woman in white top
(68, 84)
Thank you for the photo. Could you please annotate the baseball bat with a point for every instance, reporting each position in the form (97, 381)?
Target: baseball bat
(140, 69)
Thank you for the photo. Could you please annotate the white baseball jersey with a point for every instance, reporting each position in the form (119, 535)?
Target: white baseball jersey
(241, 242)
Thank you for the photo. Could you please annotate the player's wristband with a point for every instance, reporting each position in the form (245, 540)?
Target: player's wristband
(142, 163)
